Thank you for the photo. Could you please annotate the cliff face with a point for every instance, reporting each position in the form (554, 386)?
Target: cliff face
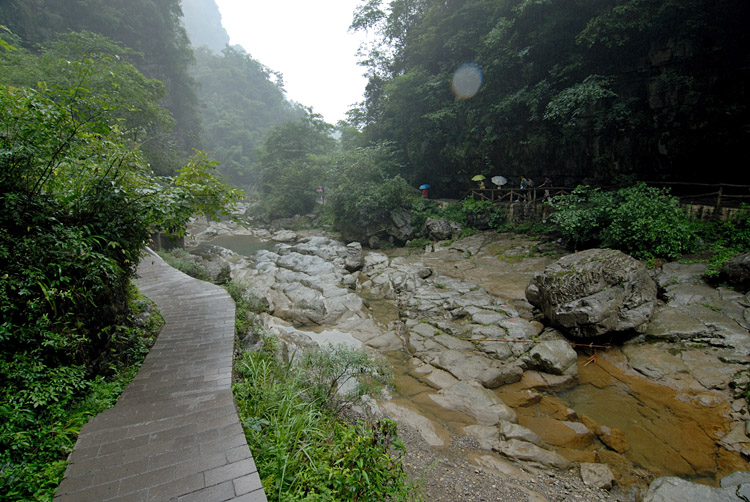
(203, 24)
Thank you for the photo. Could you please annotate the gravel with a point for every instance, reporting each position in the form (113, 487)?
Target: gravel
(446, 474)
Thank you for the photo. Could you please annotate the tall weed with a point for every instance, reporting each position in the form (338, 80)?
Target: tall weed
(303, 450)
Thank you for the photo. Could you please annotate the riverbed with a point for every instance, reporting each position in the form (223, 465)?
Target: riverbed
(640, 426)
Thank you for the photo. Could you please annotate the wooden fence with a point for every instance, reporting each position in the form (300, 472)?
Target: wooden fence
(700, 200)
(510, 195)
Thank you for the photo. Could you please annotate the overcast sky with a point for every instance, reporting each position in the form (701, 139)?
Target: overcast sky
(308, 43)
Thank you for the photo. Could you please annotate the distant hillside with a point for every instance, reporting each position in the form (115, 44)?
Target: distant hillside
(203, 24)
(241, 99)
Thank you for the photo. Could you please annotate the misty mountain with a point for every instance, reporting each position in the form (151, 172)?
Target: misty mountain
(202, 21)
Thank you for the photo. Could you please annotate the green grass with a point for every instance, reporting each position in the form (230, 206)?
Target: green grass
(303, 449)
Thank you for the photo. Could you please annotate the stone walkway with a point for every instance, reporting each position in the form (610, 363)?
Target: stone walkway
(174, 435)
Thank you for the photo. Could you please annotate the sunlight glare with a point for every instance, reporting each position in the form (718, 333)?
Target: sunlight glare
(466, 81)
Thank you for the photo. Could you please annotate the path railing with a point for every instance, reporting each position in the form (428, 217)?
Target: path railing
(714, 195)
(510, 195)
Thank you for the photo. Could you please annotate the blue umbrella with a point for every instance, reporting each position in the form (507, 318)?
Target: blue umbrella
(424, 187)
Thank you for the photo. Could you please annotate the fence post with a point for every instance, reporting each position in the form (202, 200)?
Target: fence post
(718, 199)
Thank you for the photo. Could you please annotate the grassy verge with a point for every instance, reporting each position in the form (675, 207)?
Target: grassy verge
(303, 449)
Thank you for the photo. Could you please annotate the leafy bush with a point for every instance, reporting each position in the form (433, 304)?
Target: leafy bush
(469, 213)
(302, 451)
(726, 239)
(643, 221)
(78, 203)
(364, 194)
(339, 376)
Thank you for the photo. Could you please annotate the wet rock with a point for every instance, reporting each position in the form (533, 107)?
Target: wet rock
(439, 229)
(402, 229)
(554, 356)
(475, 401)
(509, 430)
(496, 376)
(735, 479)
(522, 450)
(218, 273)
(502, 467)
(671, 489)
(354, 259)
(562, 433)
(597, 475)
(594, 292)
(284, 236)
(462, 365)
(737, 271)
(613, 438)
(537, 380)
(488, 437)
(432, 433)
(737, 440)
(673, 273)
(500, 350)
(441, 379)
(674, 325)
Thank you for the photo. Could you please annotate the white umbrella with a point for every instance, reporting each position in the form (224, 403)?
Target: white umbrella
(499, 180)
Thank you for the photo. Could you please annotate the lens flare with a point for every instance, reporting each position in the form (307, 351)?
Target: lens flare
(466, 81)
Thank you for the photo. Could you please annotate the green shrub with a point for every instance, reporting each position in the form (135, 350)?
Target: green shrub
(469, 213)
(302, 450)
(182, 261)
(339, 376)
(724, 240)
(643, 221)
(78, 203)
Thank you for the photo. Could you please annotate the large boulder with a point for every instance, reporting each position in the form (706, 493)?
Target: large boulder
(737, 271)
(402, 229)
(554, 356)
(440, 229)
(594, 292)
(354, 258)
(672, 489)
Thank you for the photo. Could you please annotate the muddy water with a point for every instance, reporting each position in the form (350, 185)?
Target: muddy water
(666, 432)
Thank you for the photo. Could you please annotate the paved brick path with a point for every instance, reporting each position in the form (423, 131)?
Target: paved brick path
(174, 435)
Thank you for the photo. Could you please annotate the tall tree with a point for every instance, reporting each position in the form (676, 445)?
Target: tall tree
(577, 90)
(153, 28)
(241, 100)
(293, 165)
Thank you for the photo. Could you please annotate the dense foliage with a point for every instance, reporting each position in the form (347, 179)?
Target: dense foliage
(151, 28)
(302, 450)
(239, 105)
(293, 163)
(78, 202)
(364, 189)
(575, 90)
(643, 221)
(469, 213)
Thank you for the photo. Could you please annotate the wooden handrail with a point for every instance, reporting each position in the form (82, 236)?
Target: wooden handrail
(724, 192)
